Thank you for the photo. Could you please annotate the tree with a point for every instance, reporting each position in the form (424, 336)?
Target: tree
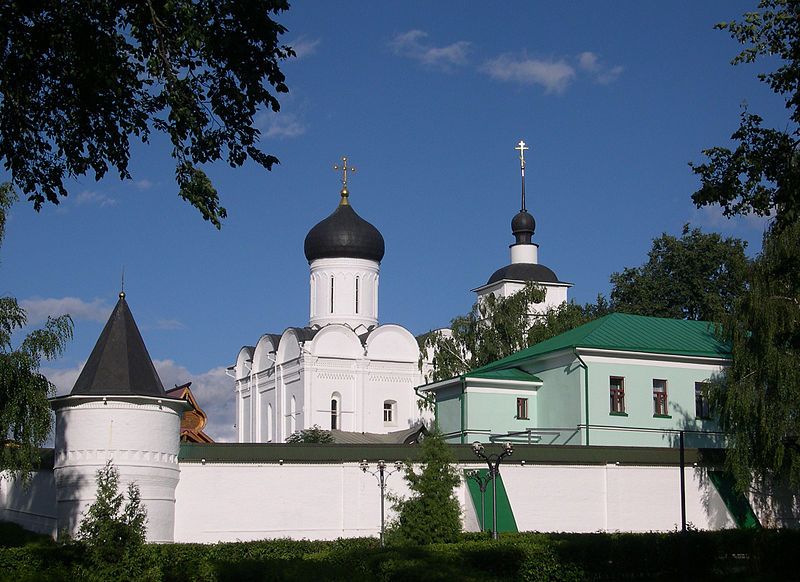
(79, 79)
(432, 514)
(762, 174)
(315, 434)
(25, 418)
(758, 396)
(497, 327)
(113, 527)
(696, 276)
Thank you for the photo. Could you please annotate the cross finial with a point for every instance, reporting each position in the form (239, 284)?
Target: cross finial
(122, 284)
(521, 148)
(344, 169)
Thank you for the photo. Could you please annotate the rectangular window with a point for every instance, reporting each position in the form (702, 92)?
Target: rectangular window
(388, 412)
(331, 294)
(522, 408)
(356, 294)
(660, 397)
(617, 393)
(702, 408)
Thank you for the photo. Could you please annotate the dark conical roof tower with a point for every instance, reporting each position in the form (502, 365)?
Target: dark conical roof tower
(119, 363)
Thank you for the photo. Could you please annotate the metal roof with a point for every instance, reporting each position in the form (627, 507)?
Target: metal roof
(629, 333)
(119, 363)
(505, 374)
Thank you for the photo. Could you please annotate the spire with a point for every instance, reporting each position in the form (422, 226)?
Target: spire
(119, 363)
(521, 147)
(523, 225)
(344, 169)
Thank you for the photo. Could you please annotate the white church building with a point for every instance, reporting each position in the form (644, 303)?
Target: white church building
(343, 371)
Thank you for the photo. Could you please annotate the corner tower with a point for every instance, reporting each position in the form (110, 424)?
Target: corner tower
(524, 267)
(118, 411)
(344, 253)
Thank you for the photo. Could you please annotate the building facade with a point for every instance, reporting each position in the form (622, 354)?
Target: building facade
(621, 380)
(343, 371)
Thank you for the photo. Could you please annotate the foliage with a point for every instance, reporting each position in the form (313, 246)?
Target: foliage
(762, 174)
(696, 276)
(432, 514)
(25, 418)
(759, 395)
(710, 555)
(113, 528)
(497, 327)
(79, 79)
(315, 434)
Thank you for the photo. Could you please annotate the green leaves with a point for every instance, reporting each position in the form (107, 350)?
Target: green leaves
(112, 527)
(697, 276)
(432, 514)
(315, 434)
(79, 78)
(761, 174)
(759, 395)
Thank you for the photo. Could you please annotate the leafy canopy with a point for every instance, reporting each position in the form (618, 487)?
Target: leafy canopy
(315, 434)
(113, 526)
(761, 174)
(79, 79)
(758, 397)
(497, 327)
(696, 276)
(25, 418)
(432, 513)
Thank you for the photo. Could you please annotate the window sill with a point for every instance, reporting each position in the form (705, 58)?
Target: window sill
(522, 417)
(618, 414)
(662, 416)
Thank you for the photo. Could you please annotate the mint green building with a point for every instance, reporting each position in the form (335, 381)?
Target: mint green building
(621, 380)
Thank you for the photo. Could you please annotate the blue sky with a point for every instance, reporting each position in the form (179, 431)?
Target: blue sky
(428, 100)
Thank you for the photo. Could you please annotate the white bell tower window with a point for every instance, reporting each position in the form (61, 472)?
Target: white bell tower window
(331, 294)
(389, 412)
(336, 401)
(356, 294)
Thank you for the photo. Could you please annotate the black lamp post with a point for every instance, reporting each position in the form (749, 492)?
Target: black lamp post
(493, 461)
(475, 475)
(381, 475)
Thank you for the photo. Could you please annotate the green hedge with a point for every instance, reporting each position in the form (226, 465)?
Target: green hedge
(739, 554)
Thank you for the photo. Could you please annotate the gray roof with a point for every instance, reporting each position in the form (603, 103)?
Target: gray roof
(119, 363)
(524, 272)
(344, 234)
(406, 436)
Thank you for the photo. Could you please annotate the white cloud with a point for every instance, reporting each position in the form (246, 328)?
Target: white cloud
(169, 324)
(412, 45)
(712, 217)
(38, 308)
(212, 389)
(94, 198)
(553, 75)
(603, 74)
(63, 378)
(280, 125)
(304, 47)
(144, 184)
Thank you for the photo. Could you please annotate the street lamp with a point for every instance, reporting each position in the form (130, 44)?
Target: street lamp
(381, 475)
(493, 461)
(475, 475)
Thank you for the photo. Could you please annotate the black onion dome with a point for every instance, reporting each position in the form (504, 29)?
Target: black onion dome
(523, 226)
(344, 234)
(524, 272)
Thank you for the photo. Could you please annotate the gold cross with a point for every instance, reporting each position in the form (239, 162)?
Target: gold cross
(521, 147)
(344, 169)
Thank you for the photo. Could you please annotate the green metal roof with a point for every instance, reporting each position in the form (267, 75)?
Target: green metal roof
(629, 333)
(505, 374)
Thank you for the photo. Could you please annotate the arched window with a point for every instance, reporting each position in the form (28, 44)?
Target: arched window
(356, 294)
(292, 416)
(331, 294)
(389, 412)
(269, 423)
(336, 401)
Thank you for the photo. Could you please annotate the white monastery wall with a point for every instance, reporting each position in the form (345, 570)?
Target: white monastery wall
(31, 505)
